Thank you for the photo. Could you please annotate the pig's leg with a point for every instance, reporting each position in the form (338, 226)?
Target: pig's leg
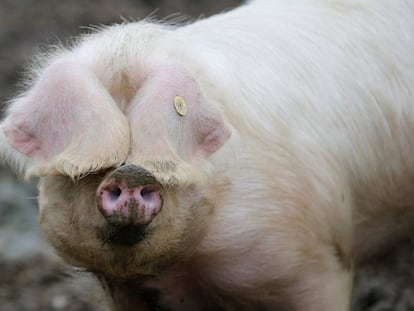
(326, 291)
(325, 276)
(318, 260)
(324, 281)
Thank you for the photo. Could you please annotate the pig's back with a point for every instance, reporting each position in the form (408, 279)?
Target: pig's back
(325, 79)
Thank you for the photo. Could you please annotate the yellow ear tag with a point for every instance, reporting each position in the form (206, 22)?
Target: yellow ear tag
(180, 105)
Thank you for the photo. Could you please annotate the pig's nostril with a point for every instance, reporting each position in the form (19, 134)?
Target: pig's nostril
(148, 193)
(114, 193)
(129, 196)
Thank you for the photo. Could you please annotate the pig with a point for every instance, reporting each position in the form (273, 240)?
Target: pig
(246, 161)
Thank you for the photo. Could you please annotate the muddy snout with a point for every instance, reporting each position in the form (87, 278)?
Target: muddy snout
(129, 198)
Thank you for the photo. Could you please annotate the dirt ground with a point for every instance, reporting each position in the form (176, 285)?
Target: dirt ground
(31, 276)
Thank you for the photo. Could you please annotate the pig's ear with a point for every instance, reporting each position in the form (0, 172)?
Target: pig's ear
(187, 119)
(208, 129)
(67, 123)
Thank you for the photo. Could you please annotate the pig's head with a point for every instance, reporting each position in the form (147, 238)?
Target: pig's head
(124, 188)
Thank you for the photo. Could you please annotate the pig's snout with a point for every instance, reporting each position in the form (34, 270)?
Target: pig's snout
(129, 196)
(121, 204)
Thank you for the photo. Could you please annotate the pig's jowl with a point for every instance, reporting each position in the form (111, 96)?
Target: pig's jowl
(247, 161)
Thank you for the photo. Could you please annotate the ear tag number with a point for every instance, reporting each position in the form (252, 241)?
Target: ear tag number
(180, 105)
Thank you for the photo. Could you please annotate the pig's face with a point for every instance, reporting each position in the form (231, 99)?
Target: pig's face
(127, 245)
(122, 186)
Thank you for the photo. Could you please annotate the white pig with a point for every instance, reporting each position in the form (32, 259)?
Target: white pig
(247, 161)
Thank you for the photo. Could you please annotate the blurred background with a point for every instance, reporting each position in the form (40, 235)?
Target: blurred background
(31, 276)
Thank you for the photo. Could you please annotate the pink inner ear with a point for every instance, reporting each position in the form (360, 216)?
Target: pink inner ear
(210, 130)
(20, 139)
(68, 113)
(41, 123)
(214, 140)
(193, 136)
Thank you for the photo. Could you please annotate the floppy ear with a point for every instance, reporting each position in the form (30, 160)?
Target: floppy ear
(171, 111)
(67, 123)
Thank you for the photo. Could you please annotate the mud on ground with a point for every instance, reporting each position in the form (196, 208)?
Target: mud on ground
(31, 276)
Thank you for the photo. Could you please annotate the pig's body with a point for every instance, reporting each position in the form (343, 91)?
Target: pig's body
(295, 160)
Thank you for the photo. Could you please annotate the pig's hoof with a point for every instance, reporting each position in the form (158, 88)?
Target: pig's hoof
(123, 235)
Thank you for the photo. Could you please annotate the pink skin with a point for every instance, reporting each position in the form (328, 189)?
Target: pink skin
(124, 205)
